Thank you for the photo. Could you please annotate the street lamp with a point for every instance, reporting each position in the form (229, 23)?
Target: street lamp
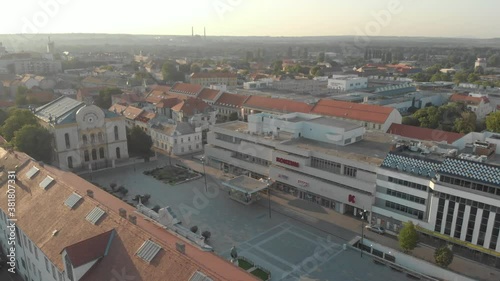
(204, 173)
(363, 214)
(269, 194)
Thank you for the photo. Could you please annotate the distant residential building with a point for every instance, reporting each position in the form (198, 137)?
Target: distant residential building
(228, 104)
(210, 78)
(177, 138)
(256, 104)
(86, 137)
(481, 62)
(347, 82)
(481, 106)
(210, 95)
(425, 134)
(196, 112)
(88, 94)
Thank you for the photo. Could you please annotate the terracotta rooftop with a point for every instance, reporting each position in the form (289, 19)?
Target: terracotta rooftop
(191, 106)
(425, 134)
(276, 104)
(41, 97)
(185, 88)
(168, 103)
(355, 111)
(41, 211)
(131, 112)
(118, 108)
(468, 99)
(208, 94)
(213, 75)
(145, 116)
(231, 100)
(91, 91)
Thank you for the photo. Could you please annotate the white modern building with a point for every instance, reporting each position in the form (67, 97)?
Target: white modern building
(327, 161)
(86, 137)
(347, 82)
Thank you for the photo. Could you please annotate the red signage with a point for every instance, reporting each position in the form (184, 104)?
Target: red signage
(352, 199)
(287, 162)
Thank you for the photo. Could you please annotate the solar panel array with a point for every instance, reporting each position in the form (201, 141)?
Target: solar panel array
(72, 200)
(148, 250)
(411, 165)
(472, 170)
(94, 215)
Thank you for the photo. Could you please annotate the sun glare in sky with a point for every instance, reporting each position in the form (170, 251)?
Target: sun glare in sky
(255, 17)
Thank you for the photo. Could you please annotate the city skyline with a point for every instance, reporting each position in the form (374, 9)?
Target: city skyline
(256, 18)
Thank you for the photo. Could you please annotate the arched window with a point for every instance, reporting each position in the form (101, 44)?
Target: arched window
(92, 138)
(70, 162)
(101, 152)
(94, 154)
(66, 139)
(118, 156)
(99, 137)
(86, 155)
(84, 138)
(116, 133)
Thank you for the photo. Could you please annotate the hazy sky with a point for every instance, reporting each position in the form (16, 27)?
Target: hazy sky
(449, 18)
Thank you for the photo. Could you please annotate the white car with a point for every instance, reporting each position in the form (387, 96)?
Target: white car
(376, 228)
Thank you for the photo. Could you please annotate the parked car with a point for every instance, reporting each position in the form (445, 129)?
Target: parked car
(376, 228)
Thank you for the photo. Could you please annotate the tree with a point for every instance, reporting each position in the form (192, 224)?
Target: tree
(408, 120)
(21, 93)
(494, 60)
(156, 208)
(194, 229)
(139, 143)
(17, 119)
(443, 256)
(35, 141)
(3, 117)
(104, 99)
(233, 116)
(195, 68)
(206, 234)
(473, 77)
(277, 67)
(408, 237)
(170, 72)
(460, 77)
(321, 57)
(113, 186)
(465, 124)
(493, 122)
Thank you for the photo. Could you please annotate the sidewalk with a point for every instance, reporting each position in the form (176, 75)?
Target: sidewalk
(346, 227)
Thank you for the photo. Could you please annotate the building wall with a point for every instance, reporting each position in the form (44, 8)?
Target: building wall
(178, 145)
(347, 84)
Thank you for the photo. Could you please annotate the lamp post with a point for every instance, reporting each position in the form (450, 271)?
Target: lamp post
(363, 214)
(269, 194)
(204, 173)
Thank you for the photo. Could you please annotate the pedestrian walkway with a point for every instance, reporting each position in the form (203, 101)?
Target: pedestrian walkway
(346, 227)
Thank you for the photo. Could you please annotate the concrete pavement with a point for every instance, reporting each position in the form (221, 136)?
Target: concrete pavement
(343, 226)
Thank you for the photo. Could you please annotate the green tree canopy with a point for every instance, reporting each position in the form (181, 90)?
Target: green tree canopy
(139, 143)
(170, 72)
(493, 122)
(277, 67)
(460, 77)
(409, 120)
(195, 68)
(321, 57)
(465, 124)
(473, 77)
(408, 237)
(17, 119)
(443, 256)
(233, 116)
(35, 141)
(3, 117)
(105, 97)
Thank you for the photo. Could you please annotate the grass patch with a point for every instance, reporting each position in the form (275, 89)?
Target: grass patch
(244, 264)
(261, 274)
(170, 174)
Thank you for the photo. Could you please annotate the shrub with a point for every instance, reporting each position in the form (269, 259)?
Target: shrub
(206, 234)
(156, 208)
(194, 229)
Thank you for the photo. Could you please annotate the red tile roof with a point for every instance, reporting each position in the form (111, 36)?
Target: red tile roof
(90, 249)
(185, 88)
(231, 100)
(157, 94)
(276, 105)
(40, 97)
(355, 111)
(168, 103)
(191, 106)
(468, 99)
(145, 116)
(208, 94)
(213, 75)
(118, 108)
(132, 112)
(425, 134)
(91, 91)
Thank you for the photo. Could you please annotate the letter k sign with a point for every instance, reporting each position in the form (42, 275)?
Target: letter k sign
(352, 199)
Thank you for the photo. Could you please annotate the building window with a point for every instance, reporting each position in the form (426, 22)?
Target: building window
(86, 156)
(471, 224)
(31, 246)
(70, 162)
(84, 139)
(94, 154)
(47, 265)
(92, 138)
(350, 171)
(100, 137)
(118, 156)
(54, 273)
(36, 253)
(116, 133)
(347, 141)
(66, 139)
(69, 268)
(182, 149)
(101, 152)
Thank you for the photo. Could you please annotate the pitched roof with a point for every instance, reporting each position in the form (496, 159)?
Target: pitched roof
(191, 106)
(185, 88)
(231, 100)
(277, 105)
(89, 91)
(354, 111)
(208, 94)
(118, 108)
(40, 212)
(213, 75)
(145, 116)
(41, 97)
(168, 103)
(131, 112)
(58, 109)
(423, 133)
(468, 99)
(89, 249)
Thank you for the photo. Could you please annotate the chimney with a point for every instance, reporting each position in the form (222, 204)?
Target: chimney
(192, 31)
(180, 247)
(132, 219)
(90, 193)
(123, 213)
(204, 32)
